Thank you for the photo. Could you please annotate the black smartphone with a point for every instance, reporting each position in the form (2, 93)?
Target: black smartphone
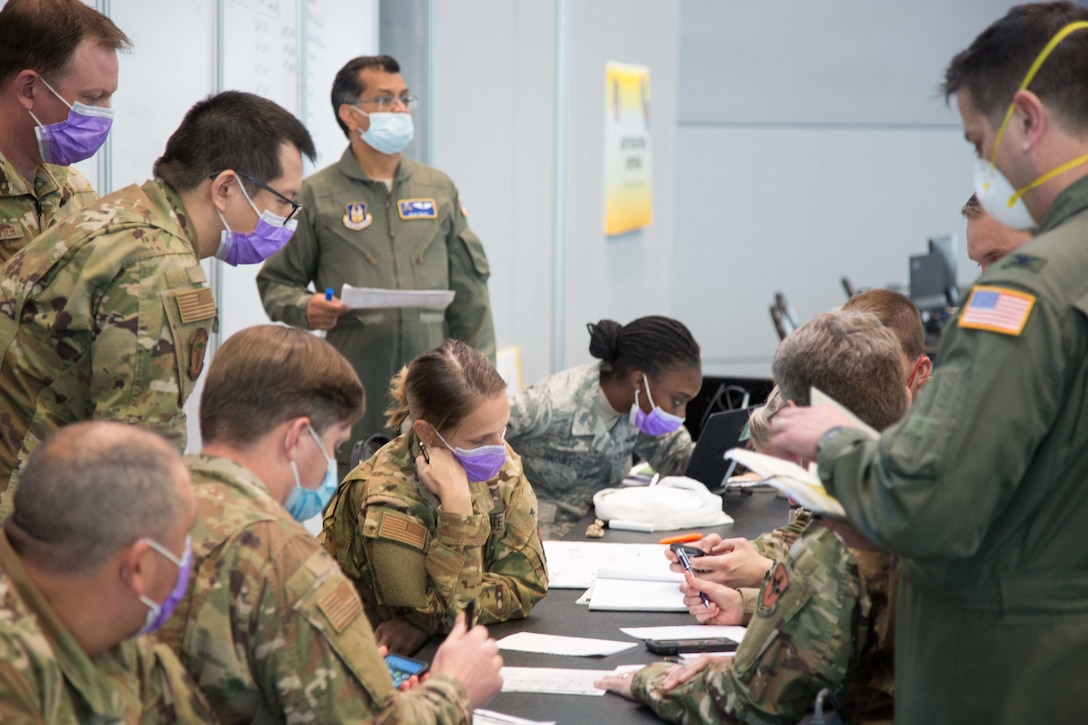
(691, 551)
(401, 668)
(469, 608)
(679, 646)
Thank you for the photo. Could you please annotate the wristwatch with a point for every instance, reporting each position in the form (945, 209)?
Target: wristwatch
(828, 435)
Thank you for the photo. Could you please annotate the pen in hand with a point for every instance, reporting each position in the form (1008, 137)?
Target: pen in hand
(682, 557)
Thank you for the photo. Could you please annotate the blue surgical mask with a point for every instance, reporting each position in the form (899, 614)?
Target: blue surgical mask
(271, 235)
(657, 422)
(480, 464)
(305, 503)
(389, 133)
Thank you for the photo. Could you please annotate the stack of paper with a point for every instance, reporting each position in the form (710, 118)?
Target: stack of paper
(637, 591)
(554, 644)
(574, 564)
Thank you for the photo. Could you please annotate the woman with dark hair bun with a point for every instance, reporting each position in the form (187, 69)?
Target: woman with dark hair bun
(576, 430)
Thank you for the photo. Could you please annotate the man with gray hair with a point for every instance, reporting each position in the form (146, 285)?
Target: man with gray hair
(96, 555)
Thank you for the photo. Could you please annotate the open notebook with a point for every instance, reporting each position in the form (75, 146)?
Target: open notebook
(800, 484)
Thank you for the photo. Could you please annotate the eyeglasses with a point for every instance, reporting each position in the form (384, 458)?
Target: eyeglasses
(295, 206)
(384, 102)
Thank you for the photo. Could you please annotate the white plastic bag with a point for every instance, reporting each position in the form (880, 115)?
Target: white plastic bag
(676, 502)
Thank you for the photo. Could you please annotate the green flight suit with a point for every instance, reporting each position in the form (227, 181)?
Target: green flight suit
(45, 677)
(104, 316)
(353, 230)
(26, 211)
(983, 489)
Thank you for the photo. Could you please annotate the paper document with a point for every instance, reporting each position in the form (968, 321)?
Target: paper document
(370, 298)
(686, 631)
(490, 717)
(623, 591)
(802, 486)
(552, 680)
(574, 564)
(553, 644)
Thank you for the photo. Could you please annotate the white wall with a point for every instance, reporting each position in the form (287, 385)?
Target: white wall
(495, 136)
(812, 144)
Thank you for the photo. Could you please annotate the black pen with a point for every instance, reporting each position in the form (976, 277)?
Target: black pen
(685, 562)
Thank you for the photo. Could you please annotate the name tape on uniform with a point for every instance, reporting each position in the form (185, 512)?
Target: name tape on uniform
(417, 209)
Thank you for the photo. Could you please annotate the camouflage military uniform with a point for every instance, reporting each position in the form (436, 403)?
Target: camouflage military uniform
(774, 545)
(106, 315)
(45, 677)
(353, 230)
(272, 630)
(572, 444)
(410, 559)
(26, 212)
(825, 619)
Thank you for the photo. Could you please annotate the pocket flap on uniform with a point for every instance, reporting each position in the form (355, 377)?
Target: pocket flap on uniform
(476, 252)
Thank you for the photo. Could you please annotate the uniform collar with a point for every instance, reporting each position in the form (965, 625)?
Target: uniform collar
(593, 415)
(1071, 201)
(232, 474)
(350, 168)
(12, 183)
(80, 671)
(164, 198)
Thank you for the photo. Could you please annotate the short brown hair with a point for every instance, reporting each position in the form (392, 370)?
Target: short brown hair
(348, 87)
(42, 35)
(897, 313)
(90, 489)
(443, 386)
(998, 60)
(850, 356)
(268, 374)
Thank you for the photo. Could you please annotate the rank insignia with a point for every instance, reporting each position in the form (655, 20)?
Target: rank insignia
(198, 344)
(417, 209)
(774, 586)
(1024, 261)
(355, 217)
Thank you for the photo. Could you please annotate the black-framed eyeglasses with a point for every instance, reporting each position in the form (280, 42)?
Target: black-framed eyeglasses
(384, 102)
(295, 206)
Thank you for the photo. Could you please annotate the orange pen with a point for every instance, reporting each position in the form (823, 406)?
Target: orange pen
(681, 539)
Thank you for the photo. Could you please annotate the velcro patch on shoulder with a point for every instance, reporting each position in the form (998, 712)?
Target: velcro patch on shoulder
(195, 305)
(341, 605)
(400, 527)
(997, 309)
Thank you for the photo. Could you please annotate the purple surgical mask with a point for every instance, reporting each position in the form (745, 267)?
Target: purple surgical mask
(76, 138)
(480, 464)
(271, 235)
(657, 422)
(157, 614)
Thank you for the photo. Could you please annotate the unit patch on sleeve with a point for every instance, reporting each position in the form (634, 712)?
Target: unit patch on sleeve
(997, 309)
(417, 209)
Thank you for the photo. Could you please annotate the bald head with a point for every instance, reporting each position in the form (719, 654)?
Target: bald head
(93, 488)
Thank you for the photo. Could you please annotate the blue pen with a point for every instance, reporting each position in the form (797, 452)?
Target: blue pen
(685, 562)
(328, 294)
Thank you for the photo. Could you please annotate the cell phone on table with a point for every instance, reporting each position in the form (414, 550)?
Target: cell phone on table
(680, 646)
(691, 551)
(401, 668)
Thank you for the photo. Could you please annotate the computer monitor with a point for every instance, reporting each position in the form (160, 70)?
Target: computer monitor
(721, 432)
(946, 246)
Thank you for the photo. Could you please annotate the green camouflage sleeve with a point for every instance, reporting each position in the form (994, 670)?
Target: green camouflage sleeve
(296, 623)
(469, 315)
(668, 454)
(19, 686)
(168, 694)
(800, 641)
(776, 544)
(285, 277)
(516, 577)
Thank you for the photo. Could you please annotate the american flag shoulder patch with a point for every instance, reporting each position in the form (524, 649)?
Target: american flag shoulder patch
(997, 309)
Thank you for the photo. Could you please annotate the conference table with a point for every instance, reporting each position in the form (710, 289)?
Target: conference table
(558, 613)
